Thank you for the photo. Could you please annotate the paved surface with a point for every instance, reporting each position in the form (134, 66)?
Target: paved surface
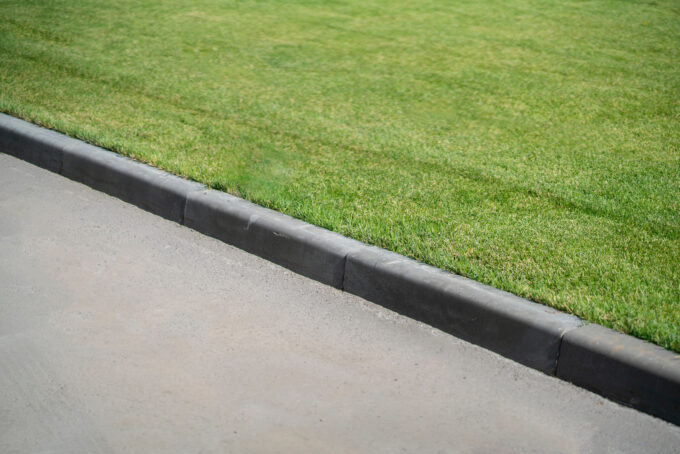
(123, 332)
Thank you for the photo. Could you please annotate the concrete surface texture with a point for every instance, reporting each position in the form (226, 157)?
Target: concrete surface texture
(612, 364)
(123, 332)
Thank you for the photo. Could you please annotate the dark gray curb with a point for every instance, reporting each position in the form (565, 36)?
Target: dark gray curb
(623, 368)
(614, 365)
(516, 328)
(39, 146)
(150, 189)
(308, 250)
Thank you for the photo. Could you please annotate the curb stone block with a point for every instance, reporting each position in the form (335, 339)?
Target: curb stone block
(32, 143)
(526, 332)
(623, 368)
(306, 249)
(219, 215)
(142, 185)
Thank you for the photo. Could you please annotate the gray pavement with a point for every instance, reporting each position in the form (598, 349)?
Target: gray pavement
(124, 332)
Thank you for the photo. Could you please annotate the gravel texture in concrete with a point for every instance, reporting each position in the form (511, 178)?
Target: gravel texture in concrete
(123, 332)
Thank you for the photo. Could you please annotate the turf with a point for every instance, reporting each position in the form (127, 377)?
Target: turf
(531, 145)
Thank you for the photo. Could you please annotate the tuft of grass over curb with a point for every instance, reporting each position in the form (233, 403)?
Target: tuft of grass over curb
(531, 145)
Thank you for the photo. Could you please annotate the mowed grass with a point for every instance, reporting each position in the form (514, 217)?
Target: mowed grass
(530, 145)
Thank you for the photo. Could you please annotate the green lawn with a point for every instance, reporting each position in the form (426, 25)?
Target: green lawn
(531, 145)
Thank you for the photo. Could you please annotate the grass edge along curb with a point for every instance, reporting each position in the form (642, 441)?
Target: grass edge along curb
(615, 365)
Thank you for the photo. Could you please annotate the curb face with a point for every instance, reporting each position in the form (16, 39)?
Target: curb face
(518, 329)
(308, 250)
(614, 365)
(148, 188)
(32, 143)
(625, 369)
(144, 186)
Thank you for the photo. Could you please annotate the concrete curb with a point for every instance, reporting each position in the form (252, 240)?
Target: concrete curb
(623, 368)
(614, 365)
(308, 250)
(516, 328)
(148, 188)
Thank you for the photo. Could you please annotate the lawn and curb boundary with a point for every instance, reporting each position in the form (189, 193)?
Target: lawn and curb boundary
(617, 366)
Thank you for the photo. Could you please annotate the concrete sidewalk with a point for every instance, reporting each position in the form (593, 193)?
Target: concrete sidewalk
(123, 332)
